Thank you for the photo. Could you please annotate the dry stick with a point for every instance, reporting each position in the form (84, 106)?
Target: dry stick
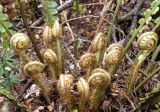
(133, 25)
(31, 36)
(132, 12)
(102, 15)
(60, 8)
(65, 5)
(68, 25)
(110, 28)
(72, 35)
(25, 87)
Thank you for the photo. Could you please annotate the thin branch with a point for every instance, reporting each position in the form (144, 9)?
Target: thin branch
(31, 36)
(65, 5)
(133, 11)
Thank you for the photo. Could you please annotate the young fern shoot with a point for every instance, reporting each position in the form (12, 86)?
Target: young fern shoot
(97, 45)
(51, 58)
(48, 37)
(57, 33)
(64, 85)
(87, 62)
(34, 70)
(49, 53)
(98, 81)
(155, 54)
(147, 18)
(19, 42)
(145, 43)
(113, 56)
(83, 89)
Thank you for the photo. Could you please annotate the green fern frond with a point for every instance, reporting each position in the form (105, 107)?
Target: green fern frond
(50, 11)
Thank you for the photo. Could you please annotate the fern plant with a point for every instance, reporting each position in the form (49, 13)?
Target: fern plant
(143, 21)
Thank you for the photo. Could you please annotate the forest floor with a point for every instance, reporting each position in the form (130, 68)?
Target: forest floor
(116, 100)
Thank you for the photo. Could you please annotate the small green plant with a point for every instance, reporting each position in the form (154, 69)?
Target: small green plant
(150, 98)
(80, 8)
(50, 12)
(7, 69)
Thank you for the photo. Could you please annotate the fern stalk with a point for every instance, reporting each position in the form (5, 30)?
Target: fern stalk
(135, 68)
(149, 76)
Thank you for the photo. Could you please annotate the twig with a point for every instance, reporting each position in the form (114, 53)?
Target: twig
(65, 5)
(25, 87)
(133, 11)
(60, 8)
(68, 25)
(130, 101)
(97, 3)
(133, 25)
(37, 22)
(105, 7)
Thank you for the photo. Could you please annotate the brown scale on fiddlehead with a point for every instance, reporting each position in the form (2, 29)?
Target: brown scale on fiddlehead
(86, 60)
(34, 70)
(19, 42)
(113, 54)
(99, 77)
(50, 56)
